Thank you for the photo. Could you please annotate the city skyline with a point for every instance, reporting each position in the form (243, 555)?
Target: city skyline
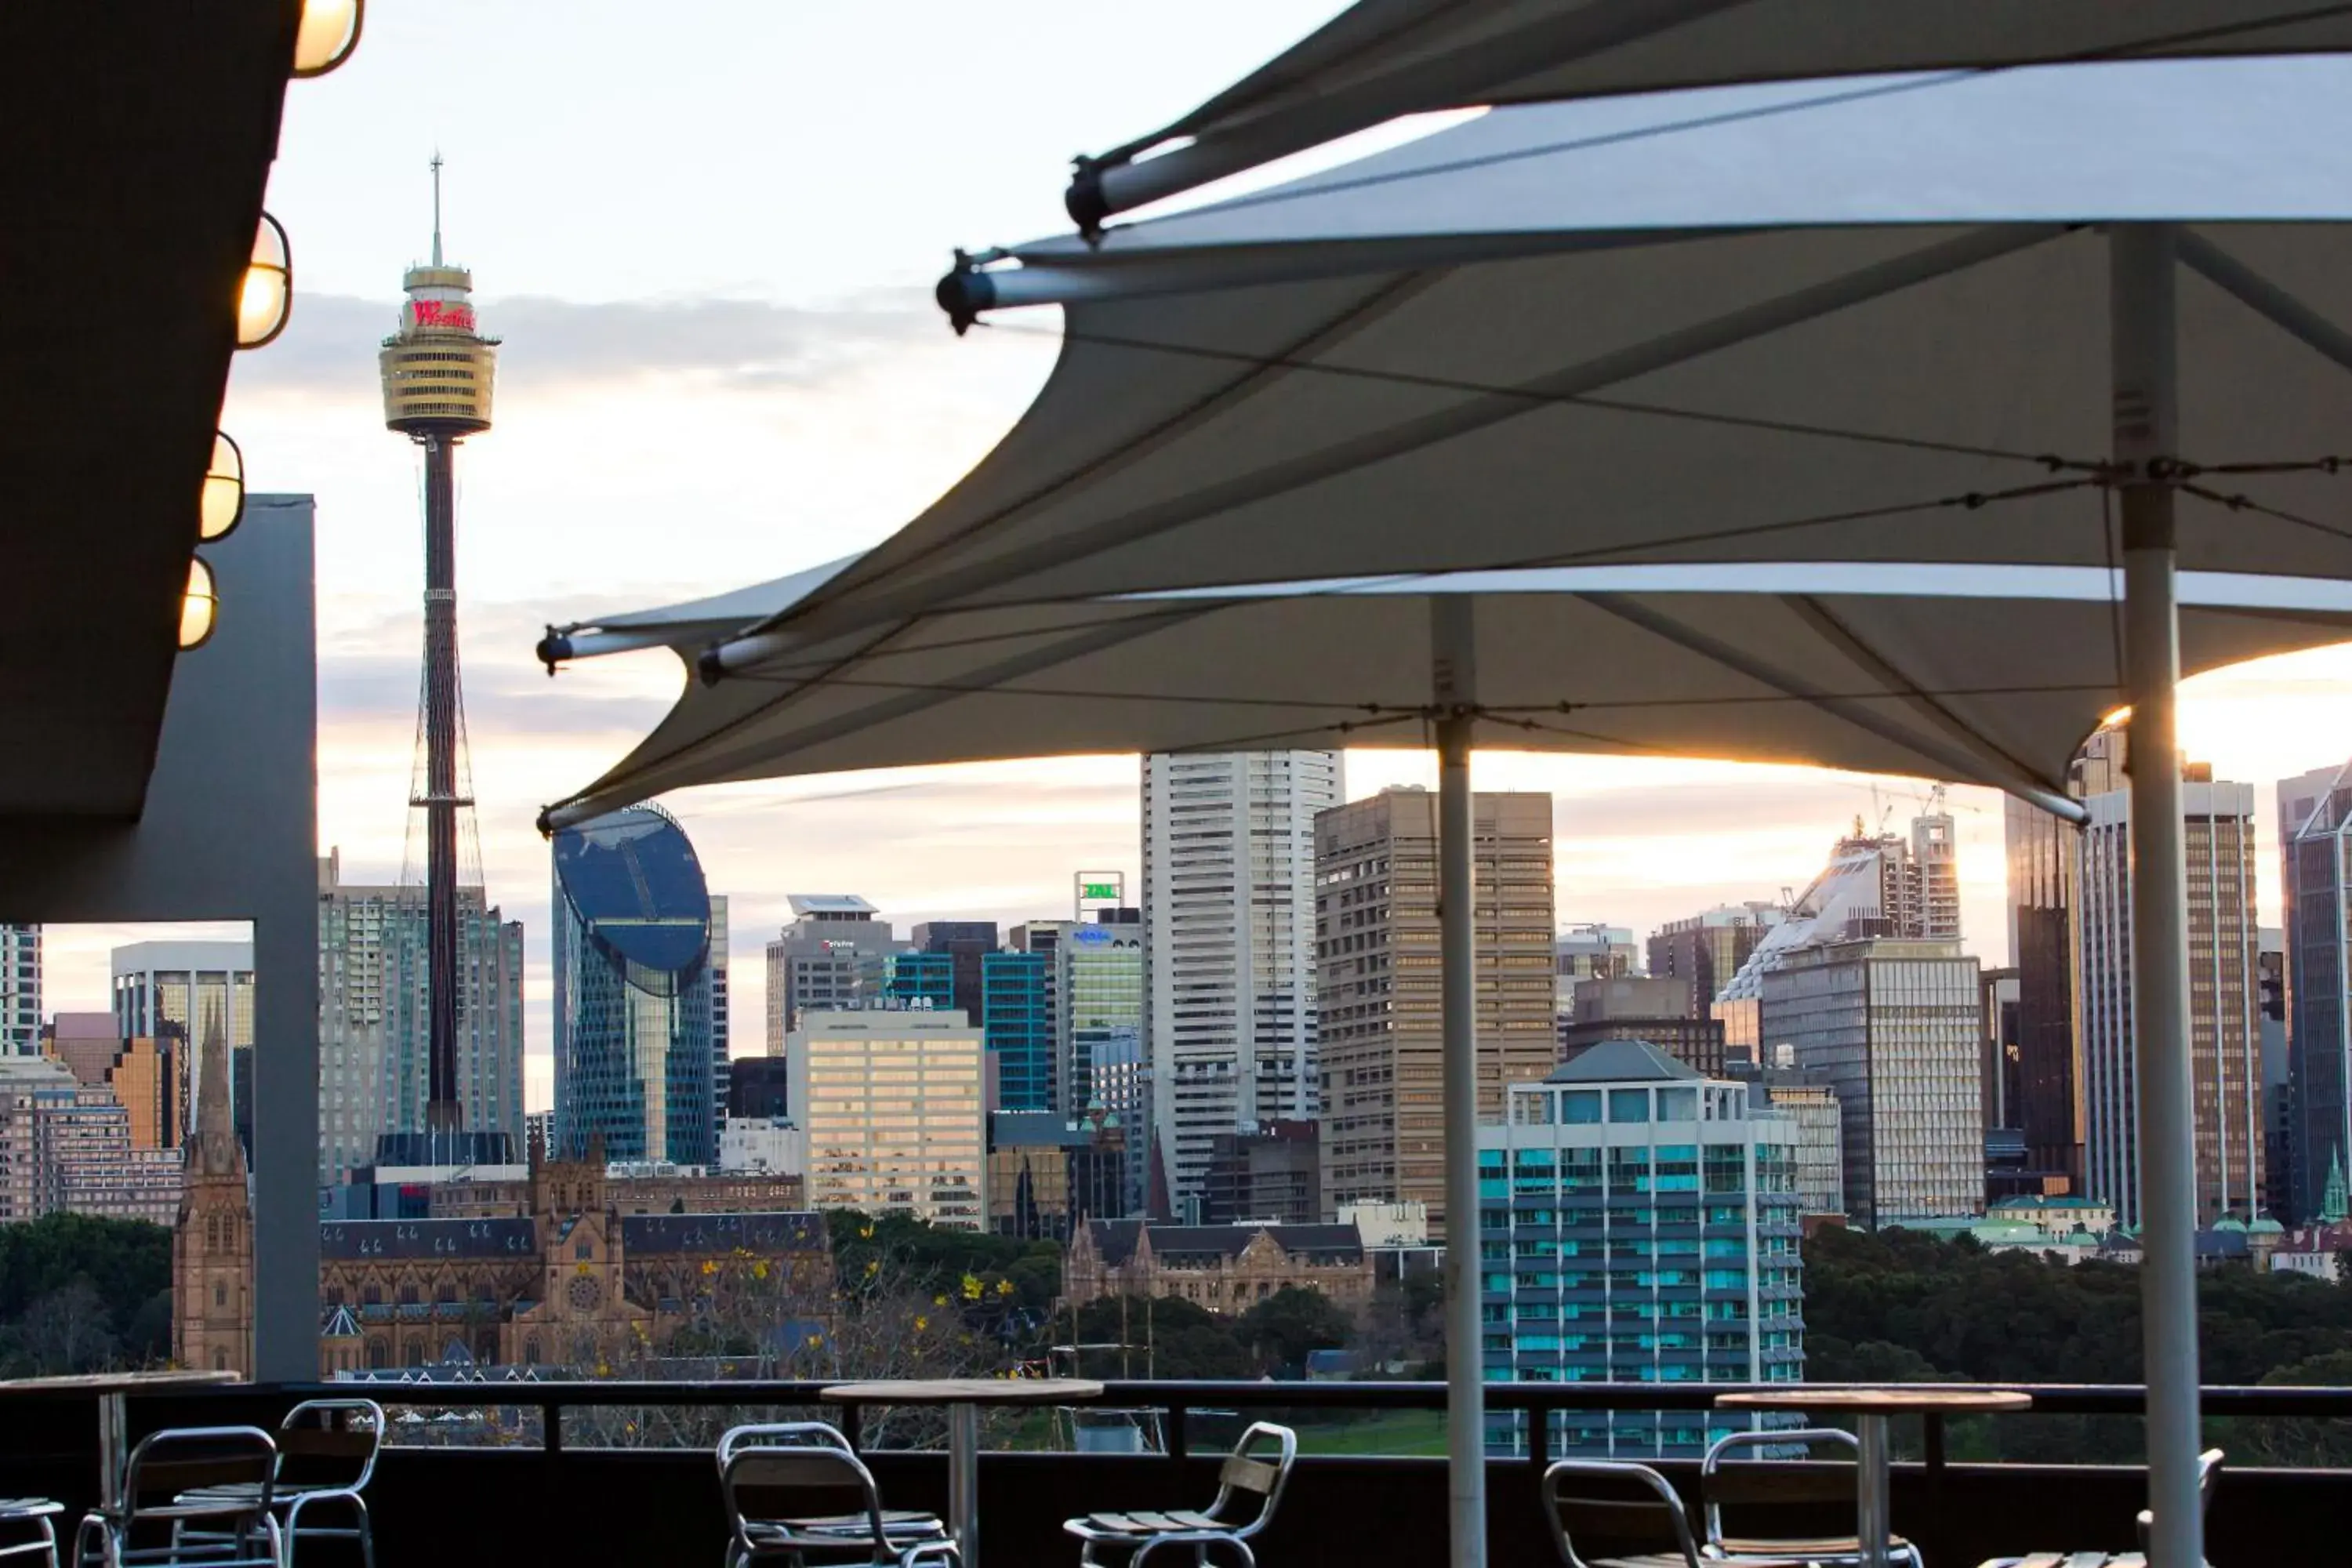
(793, 400)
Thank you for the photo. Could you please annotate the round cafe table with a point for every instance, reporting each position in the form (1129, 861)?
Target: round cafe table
(1870, 1407)
(962, 1397)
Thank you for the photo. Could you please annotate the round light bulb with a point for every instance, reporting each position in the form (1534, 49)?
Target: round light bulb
(329, 31)
(198, 606)
(224, 497)
(268, 289)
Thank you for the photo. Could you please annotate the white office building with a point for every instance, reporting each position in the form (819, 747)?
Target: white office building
(830, 958)
(1229, 941)
(890, 1106)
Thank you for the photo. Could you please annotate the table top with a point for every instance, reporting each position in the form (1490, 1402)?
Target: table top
(964, 1391)
(1877, 1401)
(119, 1381)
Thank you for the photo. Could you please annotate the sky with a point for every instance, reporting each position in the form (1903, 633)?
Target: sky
(708, 236)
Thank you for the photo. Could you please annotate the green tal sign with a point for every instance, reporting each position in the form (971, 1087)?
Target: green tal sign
(1098, 890)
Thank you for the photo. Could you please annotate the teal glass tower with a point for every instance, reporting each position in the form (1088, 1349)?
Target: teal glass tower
(634, 1013)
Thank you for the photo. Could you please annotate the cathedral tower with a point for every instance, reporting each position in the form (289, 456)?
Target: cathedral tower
(212, 1247)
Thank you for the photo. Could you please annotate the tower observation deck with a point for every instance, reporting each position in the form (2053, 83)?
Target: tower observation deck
(439, 373)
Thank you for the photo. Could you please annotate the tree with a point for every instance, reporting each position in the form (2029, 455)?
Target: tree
(65, 1331)
(1286, 1325)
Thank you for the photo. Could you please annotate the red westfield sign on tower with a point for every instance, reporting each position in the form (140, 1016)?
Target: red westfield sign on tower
(442, 314)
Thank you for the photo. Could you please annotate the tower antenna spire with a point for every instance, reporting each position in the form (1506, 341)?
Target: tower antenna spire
(437, 206)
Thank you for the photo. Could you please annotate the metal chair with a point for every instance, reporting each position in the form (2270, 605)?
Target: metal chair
(903, 1527)
(165, 1483)
(2208, 1466)
(1750, 1485)
(1138, 1533)
(1631, 1514)
(769, 1490)
(33, 1513)
(325, 1455)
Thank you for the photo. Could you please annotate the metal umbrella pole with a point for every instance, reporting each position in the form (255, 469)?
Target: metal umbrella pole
(2146, 425)
(1455, 677)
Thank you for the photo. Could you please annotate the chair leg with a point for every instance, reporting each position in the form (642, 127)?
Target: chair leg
(367, 1532)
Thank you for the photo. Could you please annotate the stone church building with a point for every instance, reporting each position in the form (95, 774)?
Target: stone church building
(564, 1280)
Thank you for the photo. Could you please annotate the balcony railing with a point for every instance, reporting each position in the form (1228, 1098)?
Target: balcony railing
(555, 1488)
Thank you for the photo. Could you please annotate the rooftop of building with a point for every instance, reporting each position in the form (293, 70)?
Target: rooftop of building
(1117, 1239)
(651, 1234)
(833, 906)
(1624, 1061)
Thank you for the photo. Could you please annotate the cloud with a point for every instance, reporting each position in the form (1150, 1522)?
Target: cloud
(330, 341)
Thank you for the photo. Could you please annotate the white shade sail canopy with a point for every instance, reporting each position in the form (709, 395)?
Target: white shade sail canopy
(1991, 675)
(1521, 343)
(1381, 58)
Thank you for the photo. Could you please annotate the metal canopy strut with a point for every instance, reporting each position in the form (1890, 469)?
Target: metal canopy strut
(2146, 425)
(1454, 690)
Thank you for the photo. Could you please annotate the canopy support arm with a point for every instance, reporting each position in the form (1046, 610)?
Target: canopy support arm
(1847, 642)
(643, 776)
(2263, 297)
(1116, 183)
(1455, 682)
(1963, 764)
(2147, 426)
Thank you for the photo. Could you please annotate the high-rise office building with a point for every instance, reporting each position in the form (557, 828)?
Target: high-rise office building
(2282, 1135)
(2218, 839)
(142, 1073)
(1100, 1011)
(1229, 943)
(1017, 1020)
(1876, 884)
(2315, 827)
(634, 961)
(965, 944)
(1043, 940)
(374, 1013)
(1891, 1025)
(1705, 949)
(170, 991)
(891, 1104)
(829, 959)
(1382, 1034)
(1638, 1224)
(2047, 1107)
(86, 1157)
(1270, 1173)
(20, 990)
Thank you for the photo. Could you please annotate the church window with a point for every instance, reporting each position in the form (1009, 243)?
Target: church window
(531, 1352)
(334, 1295)
(371, 1295)
(413, 1353)
(585, 1250)
(220, 1359)
(220, 1294)
(408, 1295)
(483, 1292)
(446, 1293)
(212, 1232)
(378, 1357)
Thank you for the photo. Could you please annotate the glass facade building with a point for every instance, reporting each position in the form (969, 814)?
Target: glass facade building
(2314, 825)
(374, 1029)
(1017, 1019)
(174, 991)
(634, 1016)
(1102, 1011)
(918, 980)
(1637, 1223)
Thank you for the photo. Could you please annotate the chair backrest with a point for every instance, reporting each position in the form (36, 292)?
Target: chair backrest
(329, 1442)
(1730, 1477)
(2209, 1467)
(773, 1485)
(1616, 1509)
(779, 1435)
(1259, 1466)
(190, 1459)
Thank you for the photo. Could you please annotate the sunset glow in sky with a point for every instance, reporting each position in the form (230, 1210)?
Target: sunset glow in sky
(709, 245)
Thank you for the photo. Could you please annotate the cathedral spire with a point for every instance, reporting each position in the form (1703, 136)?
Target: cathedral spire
(214, 1152)
(2333, 1207)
